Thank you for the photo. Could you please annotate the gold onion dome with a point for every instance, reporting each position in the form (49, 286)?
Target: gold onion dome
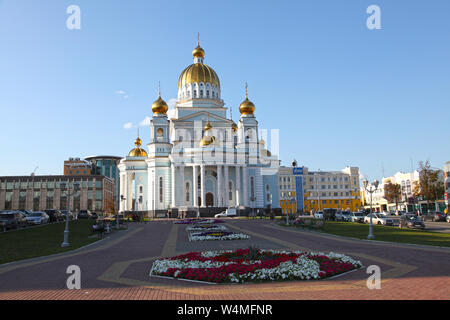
(198, 72)
(207, 139)
(160, 106)
(246, 107)
(138, 151)
(198, 52)
(234, 127)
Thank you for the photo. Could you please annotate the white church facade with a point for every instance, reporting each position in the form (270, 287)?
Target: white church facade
(199, 160)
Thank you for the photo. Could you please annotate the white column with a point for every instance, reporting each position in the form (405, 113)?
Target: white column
(219, 186)
(227, 190)
(245, 189)
(195, 184)
(183, 194)
(173, 185)
(202, 185)
(238, 185)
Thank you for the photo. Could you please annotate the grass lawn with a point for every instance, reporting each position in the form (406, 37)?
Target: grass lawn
(386, 233)
(44, 240)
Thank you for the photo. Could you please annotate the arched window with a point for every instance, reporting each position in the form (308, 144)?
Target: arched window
(195, 94)
(201, 93)
(160, 134)
(252, 187)
(160, 189)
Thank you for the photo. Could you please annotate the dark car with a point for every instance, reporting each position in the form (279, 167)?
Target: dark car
(411, 221)
(84, 214)
(434, 216)
(12, 220)
(94, 215)
(54, 215)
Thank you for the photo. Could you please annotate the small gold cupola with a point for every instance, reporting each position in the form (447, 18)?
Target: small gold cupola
(137, 151)
(246, 107)
(207, 138)
(159, 107)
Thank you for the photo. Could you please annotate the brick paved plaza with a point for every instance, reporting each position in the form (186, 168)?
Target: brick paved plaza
(118, 268)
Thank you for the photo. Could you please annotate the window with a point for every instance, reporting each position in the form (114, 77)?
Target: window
(160, 189)
(230, 190)
(188, 198)
(141, 189)
(252, 187)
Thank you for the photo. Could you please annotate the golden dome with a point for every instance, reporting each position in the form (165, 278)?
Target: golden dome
(138, 151)
(160, 106)
(198, 72)
(207, 140)
(247, 107)
(234, 127)
(198, 52)
(207, 126)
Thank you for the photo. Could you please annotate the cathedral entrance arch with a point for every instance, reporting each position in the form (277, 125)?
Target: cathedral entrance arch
(209, 199)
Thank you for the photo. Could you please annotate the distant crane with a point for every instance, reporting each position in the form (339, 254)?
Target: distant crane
(32, 174)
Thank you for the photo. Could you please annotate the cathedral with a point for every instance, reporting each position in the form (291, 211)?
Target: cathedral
(199, 161)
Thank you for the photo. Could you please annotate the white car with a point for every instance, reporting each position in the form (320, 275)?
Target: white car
(448, 218)
(378, 219)
(318, 215)
(230, 212)
(37, 218)
(338, 216)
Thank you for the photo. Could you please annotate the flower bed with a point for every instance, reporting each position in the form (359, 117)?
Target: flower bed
(253, 265)
(195, 221)
(205, 227)
(217, 235)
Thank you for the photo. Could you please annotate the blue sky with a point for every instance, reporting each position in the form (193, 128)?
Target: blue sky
(339, 93)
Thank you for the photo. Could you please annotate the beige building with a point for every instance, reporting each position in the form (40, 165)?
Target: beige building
(37, 193)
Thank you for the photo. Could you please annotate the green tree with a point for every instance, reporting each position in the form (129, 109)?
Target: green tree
(392, 193)
(431, 184)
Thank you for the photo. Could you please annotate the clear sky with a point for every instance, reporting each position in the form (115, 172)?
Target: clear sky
(340, 94)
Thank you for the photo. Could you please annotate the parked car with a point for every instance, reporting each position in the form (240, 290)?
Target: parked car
(25, 212)
(38, 218)
(378, 219)
(230, 212)
(12, 220)
(54, 215)
(94, 215)
(434, 216)
(72, 216)
(411, 221)
(318, 215)
(83, 214)
(356, 217)
(384, 214)
(448, 218)
(346, 216)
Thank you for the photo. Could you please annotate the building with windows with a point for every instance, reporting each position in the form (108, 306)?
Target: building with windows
(332, 189)
(107, 166)
(301, 190)
(199, 159)
(77, 167)
(38, 193)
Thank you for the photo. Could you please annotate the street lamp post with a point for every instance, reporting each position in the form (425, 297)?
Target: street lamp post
(76, 187)
(370, 189)
(122, 198)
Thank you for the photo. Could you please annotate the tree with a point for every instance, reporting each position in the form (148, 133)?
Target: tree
(392, 193)
(431, 185)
